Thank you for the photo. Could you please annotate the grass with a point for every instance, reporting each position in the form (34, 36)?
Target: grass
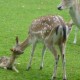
(15, 18)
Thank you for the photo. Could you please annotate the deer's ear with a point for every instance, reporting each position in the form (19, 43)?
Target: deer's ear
(17, 40)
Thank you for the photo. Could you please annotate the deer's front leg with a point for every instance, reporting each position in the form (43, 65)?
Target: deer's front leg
(14, 68)
(32, 53)
(75, 36)
(62, 49)
(43, 52)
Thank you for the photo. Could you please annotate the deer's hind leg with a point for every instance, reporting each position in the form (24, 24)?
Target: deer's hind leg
(43, 53)
(56, 56)
(62, 49)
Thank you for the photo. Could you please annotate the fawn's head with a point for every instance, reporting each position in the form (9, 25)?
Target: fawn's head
(69, 25)
(65, 4)
(16, 49)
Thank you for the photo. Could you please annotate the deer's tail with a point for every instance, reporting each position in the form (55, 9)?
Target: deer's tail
(64, 33)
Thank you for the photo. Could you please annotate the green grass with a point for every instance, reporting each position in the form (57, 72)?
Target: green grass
(15, 18)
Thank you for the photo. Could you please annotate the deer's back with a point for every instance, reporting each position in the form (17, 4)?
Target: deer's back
(42, 26)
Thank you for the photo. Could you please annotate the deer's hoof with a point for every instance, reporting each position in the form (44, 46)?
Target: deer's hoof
(64, 79)
(41, 67)
(53, 78)
(28, 68)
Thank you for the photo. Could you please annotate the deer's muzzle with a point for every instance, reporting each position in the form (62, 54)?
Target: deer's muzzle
(17, 51)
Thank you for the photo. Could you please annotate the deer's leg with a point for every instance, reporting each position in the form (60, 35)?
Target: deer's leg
(32, 53)
(54, 52)
(3, 66)
(43, 52)
(75, 36)
(55, 65)
(62, 49)
(14, 68)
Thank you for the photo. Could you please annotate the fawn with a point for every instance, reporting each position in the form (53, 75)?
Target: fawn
(51, 31)
(9, 62)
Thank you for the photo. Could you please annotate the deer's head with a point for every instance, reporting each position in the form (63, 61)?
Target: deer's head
(65, 4)
(16, 49)
(69, 26)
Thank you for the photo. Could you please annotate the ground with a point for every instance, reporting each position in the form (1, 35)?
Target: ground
(15, 19)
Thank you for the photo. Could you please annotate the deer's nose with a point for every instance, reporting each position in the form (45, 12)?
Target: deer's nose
(59, 8)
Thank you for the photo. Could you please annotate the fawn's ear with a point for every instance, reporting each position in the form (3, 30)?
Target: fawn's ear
(17, 40)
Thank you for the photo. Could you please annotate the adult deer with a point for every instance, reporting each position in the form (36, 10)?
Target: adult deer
(74, 11)
(50, 30)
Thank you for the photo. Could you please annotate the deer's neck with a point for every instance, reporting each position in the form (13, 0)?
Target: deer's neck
(25, 44)
(11, 61)
(75, 14)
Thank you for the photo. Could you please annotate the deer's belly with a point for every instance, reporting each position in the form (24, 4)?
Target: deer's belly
(78, 23)
(76, 19)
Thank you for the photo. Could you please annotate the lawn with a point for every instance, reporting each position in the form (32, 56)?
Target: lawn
(15, 19)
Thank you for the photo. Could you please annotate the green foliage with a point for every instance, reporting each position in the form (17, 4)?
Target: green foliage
(15, 19)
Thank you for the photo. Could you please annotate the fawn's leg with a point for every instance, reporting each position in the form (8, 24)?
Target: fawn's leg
(14, 68)
(43, 52)
(62, 49)
(32, 53)
(75, 36)
(56, 56)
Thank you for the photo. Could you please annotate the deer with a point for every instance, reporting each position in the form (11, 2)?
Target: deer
(9, 62)
(50, 31)
(74, 11)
